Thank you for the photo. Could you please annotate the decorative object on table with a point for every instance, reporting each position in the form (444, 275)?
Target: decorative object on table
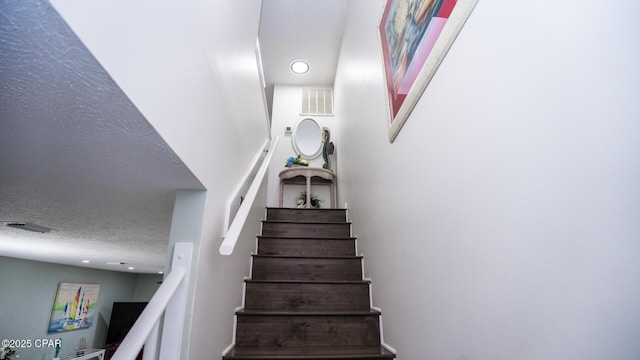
(414, 40)
(82, 347)
(7, 353)
(296, 160)
(327, 148)
(302, 200)
(87, 354)
(58, 347)
(74, 307)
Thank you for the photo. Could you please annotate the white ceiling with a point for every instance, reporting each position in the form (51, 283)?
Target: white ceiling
(77, 156)
(301, 29)
(310, 30)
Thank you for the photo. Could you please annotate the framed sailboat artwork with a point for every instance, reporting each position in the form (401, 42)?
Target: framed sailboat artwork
(74, 307)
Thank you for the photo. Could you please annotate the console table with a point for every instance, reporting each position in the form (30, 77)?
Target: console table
(308, 176)
(86, 355)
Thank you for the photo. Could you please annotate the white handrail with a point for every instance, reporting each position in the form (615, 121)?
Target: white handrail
(239, 193)
(231, 237)
(148, 320)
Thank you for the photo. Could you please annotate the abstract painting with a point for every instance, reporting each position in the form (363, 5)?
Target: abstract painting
(415, 36)
(74, 307)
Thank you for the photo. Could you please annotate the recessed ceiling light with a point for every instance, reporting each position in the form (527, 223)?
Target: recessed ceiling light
(86, 261)
(299, 66)
(160, 272)
(130, 268)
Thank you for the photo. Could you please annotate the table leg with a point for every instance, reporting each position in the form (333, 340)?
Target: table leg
(333, 195)
(308, 191)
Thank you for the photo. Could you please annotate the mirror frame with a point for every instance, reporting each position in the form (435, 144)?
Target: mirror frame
(294, 141)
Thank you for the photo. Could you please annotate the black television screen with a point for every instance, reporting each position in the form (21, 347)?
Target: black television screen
(123, 316)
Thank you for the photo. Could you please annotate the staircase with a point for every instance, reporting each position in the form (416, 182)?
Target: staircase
(306, 298)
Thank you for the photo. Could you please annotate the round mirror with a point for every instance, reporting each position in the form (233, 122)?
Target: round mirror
(307, 138)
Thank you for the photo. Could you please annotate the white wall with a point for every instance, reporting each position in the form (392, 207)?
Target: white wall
(503, 221)
(146, 286)
(190, 69)
(286, 113)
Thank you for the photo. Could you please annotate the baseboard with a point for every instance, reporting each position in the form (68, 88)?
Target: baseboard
(233, 337)
(227, 350)
(389, 348)
(382, 343)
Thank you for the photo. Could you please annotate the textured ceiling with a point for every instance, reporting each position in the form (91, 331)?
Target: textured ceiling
(75, 154)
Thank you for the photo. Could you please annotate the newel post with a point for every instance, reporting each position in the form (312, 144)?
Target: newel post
(175, 312)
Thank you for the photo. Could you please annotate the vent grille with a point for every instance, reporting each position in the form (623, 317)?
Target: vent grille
(317, 101)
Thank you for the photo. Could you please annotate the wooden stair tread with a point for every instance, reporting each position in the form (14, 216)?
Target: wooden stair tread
(306, 222)
(313, 229)
(305, 209)
(311, 353)
(306, 268)
(332, 282)
(307, 215)
(309, 312)
(268, 256)
(268, 237)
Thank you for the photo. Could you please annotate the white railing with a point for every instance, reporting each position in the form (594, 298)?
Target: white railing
(170, 299)
(232, 234)
(240, 191)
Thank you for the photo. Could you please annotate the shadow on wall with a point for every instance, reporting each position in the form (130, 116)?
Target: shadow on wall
(101, 332)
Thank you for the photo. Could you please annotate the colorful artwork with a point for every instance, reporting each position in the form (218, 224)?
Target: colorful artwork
(74, 307)
(415, 35)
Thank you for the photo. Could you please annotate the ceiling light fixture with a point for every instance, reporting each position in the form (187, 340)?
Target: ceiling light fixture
(299, 66)
(130, 268)
(86, 261)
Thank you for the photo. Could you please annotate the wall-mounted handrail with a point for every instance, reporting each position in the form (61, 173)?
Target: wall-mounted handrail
(231, 237)
(240, 191)
(173, 288)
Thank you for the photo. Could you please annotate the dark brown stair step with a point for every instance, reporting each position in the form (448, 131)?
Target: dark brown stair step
(306, 268)
(307, 215)
(326, 313)
(307, 299)
(300, 296)
(306, 246)
(287, 329)
(310, 281)
(307, 229)
(306, 238)
(311, 353)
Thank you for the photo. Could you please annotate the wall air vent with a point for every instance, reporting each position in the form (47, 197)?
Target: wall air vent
(317, 101)
(29, 227)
